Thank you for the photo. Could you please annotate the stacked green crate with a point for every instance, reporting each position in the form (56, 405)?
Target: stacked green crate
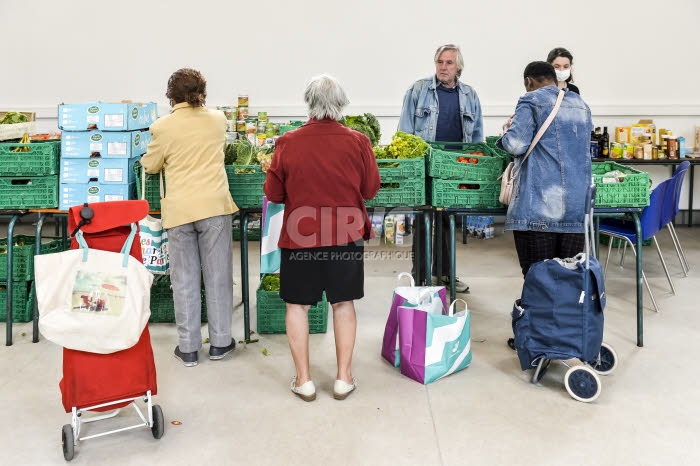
(22, 275)
(162, 304)
(402, 183)
(271, 312)
(465, 175)
(29, 175)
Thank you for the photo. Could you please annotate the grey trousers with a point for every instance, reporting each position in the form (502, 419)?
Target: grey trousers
(203, 248)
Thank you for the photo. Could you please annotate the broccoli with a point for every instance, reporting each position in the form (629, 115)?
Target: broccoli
(374, 124)
(271, 283)
(358, 123)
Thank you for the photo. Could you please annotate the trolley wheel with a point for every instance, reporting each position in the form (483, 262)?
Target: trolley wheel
(607, 360)
(511, 343)
(68, 442)
(582, 383)
(542, 366)
(158, 426)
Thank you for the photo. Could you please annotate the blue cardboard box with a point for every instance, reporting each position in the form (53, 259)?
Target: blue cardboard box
(106, 116)
(79, 193)
(99, 169)
(121, 144)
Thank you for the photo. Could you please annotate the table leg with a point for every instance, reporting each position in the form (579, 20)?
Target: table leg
(438, 244)
(640, 295)
(37, 251)
(464, 229)
(8, 303)
(244, 276)
(453, 258)
(416, 232)
(428, 249)
(690, 195)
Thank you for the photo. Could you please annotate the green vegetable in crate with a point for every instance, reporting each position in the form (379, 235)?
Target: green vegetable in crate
(230, 154)
(406, 146)
(245, 152)
(271, 283)
(367, 125)
(13, 118)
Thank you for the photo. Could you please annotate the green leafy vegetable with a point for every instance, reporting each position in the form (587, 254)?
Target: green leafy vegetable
(402, 146)
(13, 118)
(367, 125)
(271, 283)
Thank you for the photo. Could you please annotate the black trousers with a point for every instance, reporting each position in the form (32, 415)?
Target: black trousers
(535, 246)
(419, 242)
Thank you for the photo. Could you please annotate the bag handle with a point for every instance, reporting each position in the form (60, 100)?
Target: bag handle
(126, 248)
(452, 306)
(543, 128)
(406, 274)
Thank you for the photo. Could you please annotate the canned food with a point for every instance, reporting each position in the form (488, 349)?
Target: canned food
(654, 153)
(240, 126)
(262, 116)
(261, 126)
(269, 132)
(242, 112)
(229, 112)
(629, 151)
(250, 128)
(243, 100)
(672, 148)
(261, 139)
(594, 148)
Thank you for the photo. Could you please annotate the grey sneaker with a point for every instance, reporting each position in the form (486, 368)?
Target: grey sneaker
(188, 359)
(460, 286)
(219, 352)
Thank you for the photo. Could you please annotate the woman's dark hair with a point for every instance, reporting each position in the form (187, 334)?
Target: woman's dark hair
(187, 85)
(540, 71)
(561, 52)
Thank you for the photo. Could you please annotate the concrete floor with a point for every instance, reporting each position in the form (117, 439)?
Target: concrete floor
(240, 410)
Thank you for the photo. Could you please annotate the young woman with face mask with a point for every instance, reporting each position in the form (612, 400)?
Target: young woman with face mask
(562, 60)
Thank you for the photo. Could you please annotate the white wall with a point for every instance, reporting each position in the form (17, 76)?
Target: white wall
(633, 59)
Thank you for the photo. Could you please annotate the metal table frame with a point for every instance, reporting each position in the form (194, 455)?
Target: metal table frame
(245, 281)
(635, 212)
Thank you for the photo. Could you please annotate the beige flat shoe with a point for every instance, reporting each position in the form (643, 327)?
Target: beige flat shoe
(342, 389)
(306, 392)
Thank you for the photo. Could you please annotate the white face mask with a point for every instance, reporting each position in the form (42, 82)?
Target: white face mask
(563, 75)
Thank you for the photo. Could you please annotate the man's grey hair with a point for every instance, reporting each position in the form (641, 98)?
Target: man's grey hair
(460, 58)
(325, 98)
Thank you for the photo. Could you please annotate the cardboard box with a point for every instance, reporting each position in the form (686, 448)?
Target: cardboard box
(107, 144)
(100, 170)
(105, 116)
(77, 194)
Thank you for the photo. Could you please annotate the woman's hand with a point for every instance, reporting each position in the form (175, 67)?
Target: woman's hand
(508, 123)
(265, 164)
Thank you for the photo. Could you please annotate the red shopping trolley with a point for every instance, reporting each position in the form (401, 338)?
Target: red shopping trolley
(104, 382)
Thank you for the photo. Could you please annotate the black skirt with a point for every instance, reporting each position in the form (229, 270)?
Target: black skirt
(306, 273)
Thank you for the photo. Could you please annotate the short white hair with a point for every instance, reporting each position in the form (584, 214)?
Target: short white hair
(325, 97)
(460, 58)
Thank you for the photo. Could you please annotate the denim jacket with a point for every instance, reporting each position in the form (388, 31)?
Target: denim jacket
(549, 190)
(419, 114)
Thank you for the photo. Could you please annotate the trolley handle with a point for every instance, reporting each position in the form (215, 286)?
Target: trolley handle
(588, 222)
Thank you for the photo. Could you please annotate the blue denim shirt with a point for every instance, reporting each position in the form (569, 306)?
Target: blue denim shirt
(419, 114)
(550, 189)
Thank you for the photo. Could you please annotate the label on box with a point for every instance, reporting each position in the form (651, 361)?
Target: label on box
(113, 197)
(94, 119)
(95, 147)
(116, 148)
(93, 172)
(114, 174)
(114, 120)
(91, 199)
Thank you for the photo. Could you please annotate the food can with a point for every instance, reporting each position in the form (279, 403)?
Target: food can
(629, 151)
(261, 139)
(251, 137)
(261, 126)
(616, 150)
(672, 148)
(242, 112)
(594, 148)
(262, 116)
(269, 132)
(654, 153)
(243, 100)
(229, 112)
(250, 128)
(240, 126)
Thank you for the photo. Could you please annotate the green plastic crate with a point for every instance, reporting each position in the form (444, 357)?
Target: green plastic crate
(401, 169)
(290, 127)
(22, 301)
(447, 193)
(633, 191)
(253, 234)
(444, 165)
(41, 159)
(152, 188)
(401, 193)
(246, 188)
(28, 192)
(162, 305)
(23, 256)
(491, 141)
(271, 312)
(462, 147)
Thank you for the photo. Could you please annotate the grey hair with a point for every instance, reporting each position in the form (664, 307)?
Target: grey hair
(460, 58)
(325, 98)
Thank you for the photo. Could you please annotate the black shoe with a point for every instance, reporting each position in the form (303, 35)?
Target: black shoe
(219, 352)
(511, 343)
(188, 359)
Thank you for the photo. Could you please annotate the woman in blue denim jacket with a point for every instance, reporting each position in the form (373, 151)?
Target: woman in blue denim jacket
(546, 211)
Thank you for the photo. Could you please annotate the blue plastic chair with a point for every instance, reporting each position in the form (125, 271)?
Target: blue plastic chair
(651, 222)
(671, 209)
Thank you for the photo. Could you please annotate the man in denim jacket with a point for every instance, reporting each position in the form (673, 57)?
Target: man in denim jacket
(546, 211)
(441, 108)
